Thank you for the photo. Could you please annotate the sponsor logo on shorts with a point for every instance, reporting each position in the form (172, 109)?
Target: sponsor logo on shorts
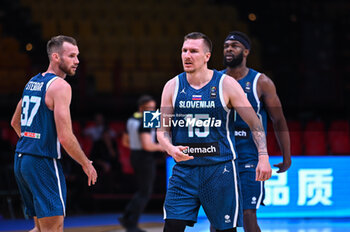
(227, 219)
(253, 200)
(249, 166)
(201, 149)
(225, 170)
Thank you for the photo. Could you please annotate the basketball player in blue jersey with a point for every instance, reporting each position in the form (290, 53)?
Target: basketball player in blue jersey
(196, 130)
(261, 93)
(42, 121)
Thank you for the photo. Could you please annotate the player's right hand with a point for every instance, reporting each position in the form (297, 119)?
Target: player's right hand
(178, 154)
(90, 172)
(263, 169)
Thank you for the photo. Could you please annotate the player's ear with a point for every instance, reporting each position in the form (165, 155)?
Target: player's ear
(55, 56)
(207, 56)
(246, 52)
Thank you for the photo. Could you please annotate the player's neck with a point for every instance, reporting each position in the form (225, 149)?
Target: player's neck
(55, 70)
(238, 72)
(200, 78)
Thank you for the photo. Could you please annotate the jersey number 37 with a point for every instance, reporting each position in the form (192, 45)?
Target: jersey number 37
(29, 112)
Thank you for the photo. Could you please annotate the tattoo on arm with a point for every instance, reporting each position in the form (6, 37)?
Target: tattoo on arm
(260, 139)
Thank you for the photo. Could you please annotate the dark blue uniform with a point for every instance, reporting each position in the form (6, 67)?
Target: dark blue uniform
(252, 191)
(204, 124)
(37, 169)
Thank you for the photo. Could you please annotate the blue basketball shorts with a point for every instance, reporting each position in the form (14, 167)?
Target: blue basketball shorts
(253, 192)
(42, 185)
(214, 187)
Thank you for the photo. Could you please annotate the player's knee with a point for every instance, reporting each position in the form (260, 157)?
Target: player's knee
(228, 230)
(212, 229)
(173, 225)
(249, 213)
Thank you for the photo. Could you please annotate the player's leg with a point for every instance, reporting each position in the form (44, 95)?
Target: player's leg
(44, 177)
(36, 225)
(253, 196)
(181, 203)
(174, 225)
(212, 229)
(51, 224)
(250, 221)
(220, 196)
(24, 189)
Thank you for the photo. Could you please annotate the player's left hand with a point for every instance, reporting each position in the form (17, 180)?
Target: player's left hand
(283, 166)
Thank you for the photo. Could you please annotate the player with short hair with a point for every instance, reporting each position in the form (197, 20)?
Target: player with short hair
(143, 145)
(42, 121)
(202, 101)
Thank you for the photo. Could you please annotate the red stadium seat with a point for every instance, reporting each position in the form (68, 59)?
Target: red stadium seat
(117, 126)
(272, 145)
(9, 134)
(339, 137)
(295, 135)
(86, 144)
(315, 139)
(76, 128)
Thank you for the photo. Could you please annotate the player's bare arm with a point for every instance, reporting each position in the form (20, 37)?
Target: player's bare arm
(163, 133)
(148, 144)
(267, 92)
(58, 98)
(234, 97)
(16, 119)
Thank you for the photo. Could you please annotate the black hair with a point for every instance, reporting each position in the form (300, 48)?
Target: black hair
(144, 99)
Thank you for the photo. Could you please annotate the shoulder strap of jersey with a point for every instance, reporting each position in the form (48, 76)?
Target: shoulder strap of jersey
(50, 82)
(176, 90)
(221, 94)
(255, 84)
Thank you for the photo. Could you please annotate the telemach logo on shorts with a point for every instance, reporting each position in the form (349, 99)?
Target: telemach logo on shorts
(201, 149)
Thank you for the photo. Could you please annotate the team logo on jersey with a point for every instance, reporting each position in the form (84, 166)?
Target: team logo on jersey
(201, 149)
(248, 86)
(213, 92)
(151, 119)
(196, 97)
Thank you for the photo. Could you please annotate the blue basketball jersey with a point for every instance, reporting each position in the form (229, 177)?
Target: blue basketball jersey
(203, 122)
(38, 129)
(245, 145)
